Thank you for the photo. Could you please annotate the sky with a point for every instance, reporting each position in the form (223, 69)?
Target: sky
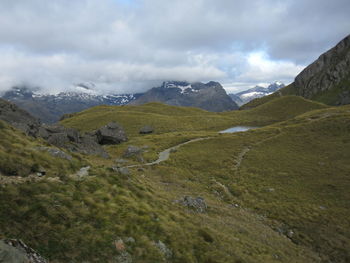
(126, 46)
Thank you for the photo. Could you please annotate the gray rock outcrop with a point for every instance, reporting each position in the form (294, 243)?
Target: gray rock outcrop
(72, 140)
(328, 76)
(19, 118)
(55, 152)
(60, 136)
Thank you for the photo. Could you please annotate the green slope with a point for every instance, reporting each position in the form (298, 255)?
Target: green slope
(294, 174)
(286, 91)
(19, 155)
(165, 118)
(275, 194)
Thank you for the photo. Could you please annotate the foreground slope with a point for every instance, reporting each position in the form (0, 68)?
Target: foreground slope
(24, 156)
(294, 174)
(274, 194)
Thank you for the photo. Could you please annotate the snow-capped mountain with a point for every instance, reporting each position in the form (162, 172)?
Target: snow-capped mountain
(50, 107)
(244, 97)
(210, 96)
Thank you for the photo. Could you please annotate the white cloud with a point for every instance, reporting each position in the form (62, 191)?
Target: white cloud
(262, 69)
(57, 72)
(128, 45)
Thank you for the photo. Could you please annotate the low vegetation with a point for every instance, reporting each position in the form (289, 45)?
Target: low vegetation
(167, 119)
(278, 193)
(20, 155)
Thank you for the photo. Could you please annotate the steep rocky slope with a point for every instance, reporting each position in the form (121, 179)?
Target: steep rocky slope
(328, 78)
(19, 118)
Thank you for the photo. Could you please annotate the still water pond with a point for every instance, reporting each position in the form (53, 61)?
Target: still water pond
(238, 129)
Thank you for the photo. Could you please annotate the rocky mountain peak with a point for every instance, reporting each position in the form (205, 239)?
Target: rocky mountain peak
(210, 96)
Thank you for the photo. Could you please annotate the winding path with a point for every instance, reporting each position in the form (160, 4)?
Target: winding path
(164, 155)
(243, 153)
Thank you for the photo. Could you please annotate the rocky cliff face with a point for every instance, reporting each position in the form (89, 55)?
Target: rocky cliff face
(210, 96)
(328, 78)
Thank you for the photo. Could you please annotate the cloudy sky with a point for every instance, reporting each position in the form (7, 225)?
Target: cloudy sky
(132, 45)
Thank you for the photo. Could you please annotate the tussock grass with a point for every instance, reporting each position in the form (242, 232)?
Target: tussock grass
(291, 175)
(19, 156)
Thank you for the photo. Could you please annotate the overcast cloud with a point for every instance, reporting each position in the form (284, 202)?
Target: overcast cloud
(132, 45)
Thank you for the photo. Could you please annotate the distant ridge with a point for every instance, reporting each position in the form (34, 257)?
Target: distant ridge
(210, 96)
(49, 108)
(245, 96)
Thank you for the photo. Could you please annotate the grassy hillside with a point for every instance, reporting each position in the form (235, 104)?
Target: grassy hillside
(165, 118)
(276, 110)
(274, 194)
(295, 175)
(20, 156)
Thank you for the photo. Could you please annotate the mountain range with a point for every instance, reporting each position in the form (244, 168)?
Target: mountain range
(50, 107)
(245, 96)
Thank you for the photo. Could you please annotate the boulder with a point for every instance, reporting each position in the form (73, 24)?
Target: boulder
(84, 171)
(164, 250)
(123, 257)
(55, 152)
(43, 133)
(88, 145)
(121, 170)
(58, 139)
(15, 251)
(146, 129)
(41, 171)
(11, 254)
(198, 204)
(133, 151)
(112, 133)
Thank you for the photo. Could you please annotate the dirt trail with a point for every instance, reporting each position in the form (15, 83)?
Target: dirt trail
(164, 155)
(243, 153)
